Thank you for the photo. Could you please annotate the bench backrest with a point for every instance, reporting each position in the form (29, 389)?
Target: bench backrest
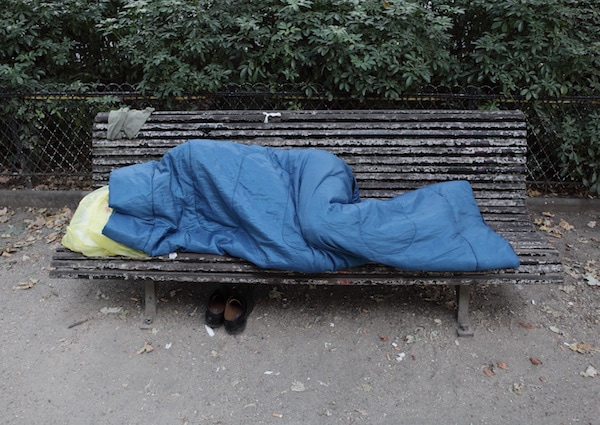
(389, 151)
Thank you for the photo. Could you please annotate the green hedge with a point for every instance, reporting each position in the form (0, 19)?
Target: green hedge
(357, 48)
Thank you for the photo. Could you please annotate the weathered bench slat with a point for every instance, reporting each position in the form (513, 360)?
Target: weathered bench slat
(334, 130)
(249, 135)
(420, 116)
(190, 271)
(386, 157)
(542, 259)
(158, 142)
(289, 118)
(539, 258)
(390, 152)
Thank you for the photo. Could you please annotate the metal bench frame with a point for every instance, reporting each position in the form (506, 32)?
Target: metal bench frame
(390, 152)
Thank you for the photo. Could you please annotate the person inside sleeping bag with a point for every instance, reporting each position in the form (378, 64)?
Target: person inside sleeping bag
(296, 210)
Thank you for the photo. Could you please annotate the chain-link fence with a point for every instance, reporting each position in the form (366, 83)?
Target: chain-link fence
(45, 137)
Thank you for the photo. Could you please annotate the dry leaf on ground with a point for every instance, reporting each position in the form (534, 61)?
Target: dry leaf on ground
(526, 326)
(583, 348)
(27, 285)
(590, 372)
(147, 348)
(535, 361)
(555, 330)
(297, 386)
(591, 280)
(518, 388)
(565, 225)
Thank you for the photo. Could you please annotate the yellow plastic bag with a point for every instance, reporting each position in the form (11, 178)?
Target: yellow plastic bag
(84, 232)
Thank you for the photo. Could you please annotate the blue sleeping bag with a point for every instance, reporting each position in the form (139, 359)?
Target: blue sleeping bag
(295, 210)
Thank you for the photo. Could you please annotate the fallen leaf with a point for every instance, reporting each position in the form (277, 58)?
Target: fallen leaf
(571, 272)
(147, 348)
(526, 326)
(488, 371)
(502, 365)
(274, 294)
(547, 214)
(36, 224)
(583, 348)
(8, 251)
(555, 330)
(52, 237)
(518, 388)
(298, 386)
(410, 339)
(111, 310)
(591, 280)
(552, 231)
(567, 289)
(383, 338)
(565, 225)
(590, 372)
(26, 285)
(535, 361)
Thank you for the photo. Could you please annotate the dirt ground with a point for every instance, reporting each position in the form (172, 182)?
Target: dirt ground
(72, 351)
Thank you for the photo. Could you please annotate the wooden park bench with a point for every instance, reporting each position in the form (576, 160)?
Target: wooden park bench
(390, 152)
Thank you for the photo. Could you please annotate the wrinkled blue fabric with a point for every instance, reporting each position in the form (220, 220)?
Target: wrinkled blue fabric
(295, 210)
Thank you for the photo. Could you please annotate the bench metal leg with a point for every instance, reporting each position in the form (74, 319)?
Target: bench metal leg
(463, 297)
(149, 304)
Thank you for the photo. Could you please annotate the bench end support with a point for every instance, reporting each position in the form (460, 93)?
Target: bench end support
(149, 304)
(463, 297)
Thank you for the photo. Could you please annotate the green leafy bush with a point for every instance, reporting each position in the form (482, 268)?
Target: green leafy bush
(54, 42)
(580, 149)
(531, 49)
(356, 47)
(386, 48)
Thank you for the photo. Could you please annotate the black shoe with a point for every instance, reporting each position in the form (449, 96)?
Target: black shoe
(237, 309)
(215, 308)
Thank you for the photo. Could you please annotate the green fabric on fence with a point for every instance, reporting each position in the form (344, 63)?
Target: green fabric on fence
(126, 123)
